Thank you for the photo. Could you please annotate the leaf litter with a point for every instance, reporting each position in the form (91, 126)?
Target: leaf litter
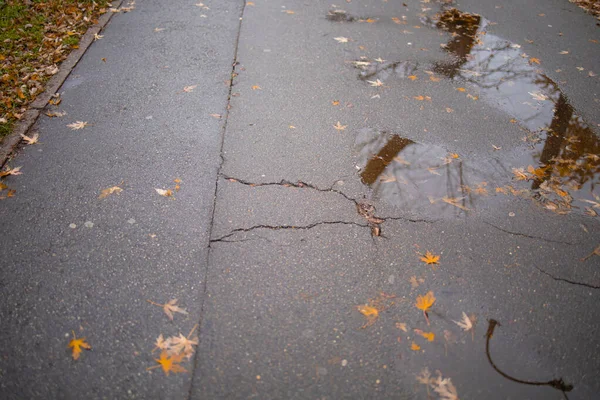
(170, 307)
(78, 345)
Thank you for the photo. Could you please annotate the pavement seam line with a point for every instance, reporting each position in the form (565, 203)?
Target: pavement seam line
(9, 143)
(529, 236)
(283, 227)
(212, 218)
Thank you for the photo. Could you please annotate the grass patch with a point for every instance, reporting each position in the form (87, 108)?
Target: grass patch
(34, 39)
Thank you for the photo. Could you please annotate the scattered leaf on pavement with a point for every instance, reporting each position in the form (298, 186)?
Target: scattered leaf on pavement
(424, 303)
(77, 125)
(31, 140)
(339, 126)
(376, 83)
(164, 192)
(401, 326)
(169, 308)
(429, 258)
(169, 363)
(106, 192)
(189, 89)
(341, 39)
(430, 336)
(415, 347)
(77, 345)
(11, 171)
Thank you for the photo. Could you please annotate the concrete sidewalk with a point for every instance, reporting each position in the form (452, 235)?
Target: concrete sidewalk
(350, 140)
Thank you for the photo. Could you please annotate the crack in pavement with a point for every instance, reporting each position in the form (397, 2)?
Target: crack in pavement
(282, 227)
(567, 280)
(529, 236)
(287, 183)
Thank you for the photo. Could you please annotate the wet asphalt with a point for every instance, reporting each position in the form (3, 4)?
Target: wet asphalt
(266, 243)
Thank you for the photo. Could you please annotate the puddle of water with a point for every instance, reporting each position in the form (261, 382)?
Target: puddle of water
(560, 168)
(422, 177)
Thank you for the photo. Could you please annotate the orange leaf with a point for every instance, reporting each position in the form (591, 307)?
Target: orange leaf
(170, 363)
(425, 302)
(429, 258)
(430, 336)
(461, 89)
(534, 60)
(77, 345)
(412, 77)
(415, 347)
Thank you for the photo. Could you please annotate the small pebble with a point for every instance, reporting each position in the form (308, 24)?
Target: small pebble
(72, 226)
(131, 221)
(344, 363)
(88, 224)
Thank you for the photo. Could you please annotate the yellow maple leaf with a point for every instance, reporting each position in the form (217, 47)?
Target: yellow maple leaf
(425, 302)
(415, 347)
(461, 89)
(78, 345)
(429, 258)
(169, 363)
(371, 313)
(412, 77)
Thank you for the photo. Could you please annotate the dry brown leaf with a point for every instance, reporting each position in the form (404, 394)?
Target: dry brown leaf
(106, 192)
(339, 126)
(534, 60)
(454, 201)
(169, 308)
(11, 171)
(401, 326)
(376, 83)
(31, 140)
(164, 192)
(77, 125)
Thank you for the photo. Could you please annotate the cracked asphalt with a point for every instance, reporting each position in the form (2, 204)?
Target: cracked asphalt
(283, 224)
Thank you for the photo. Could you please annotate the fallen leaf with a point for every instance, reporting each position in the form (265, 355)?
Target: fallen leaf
(425, 302)
(370, 20)
(189, 89)
(165, 193)
(335, 102)
(596, 252)
(256, 87)
(430, 336)
(162, 343)
(580, 68)
(371, 313)
(496, 147)
(97, 37)
(106, 192)
(412, 77)
(341, 39)
(289, 12)
(454, 201)
(169, 308)
(538, 96)
(77, 125)
(564, 52)
(534, 60)
(449, 110)
(169, 363)
(77, 345)
(339, 126)
(444, 388)
(11, 171)
(218, 116)
(461, 89)
(429, 258)
(592, 74)
(414, 281)
(401, 326)
(31, 140)
(434, 78)
(159, 29)
(55, 114)
(465, 323)
(183, 345)
(415, 347)
(433, 171)
(376, 83)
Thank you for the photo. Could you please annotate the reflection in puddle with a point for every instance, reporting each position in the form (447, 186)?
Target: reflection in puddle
(417, 176)
(560, 170)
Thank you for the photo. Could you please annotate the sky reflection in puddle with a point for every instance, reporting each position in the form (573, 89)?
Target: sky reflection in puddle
(559, 169)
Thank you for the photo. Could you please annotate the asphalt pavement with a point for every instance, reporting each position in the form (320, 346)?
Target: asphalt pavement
(312, 153)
